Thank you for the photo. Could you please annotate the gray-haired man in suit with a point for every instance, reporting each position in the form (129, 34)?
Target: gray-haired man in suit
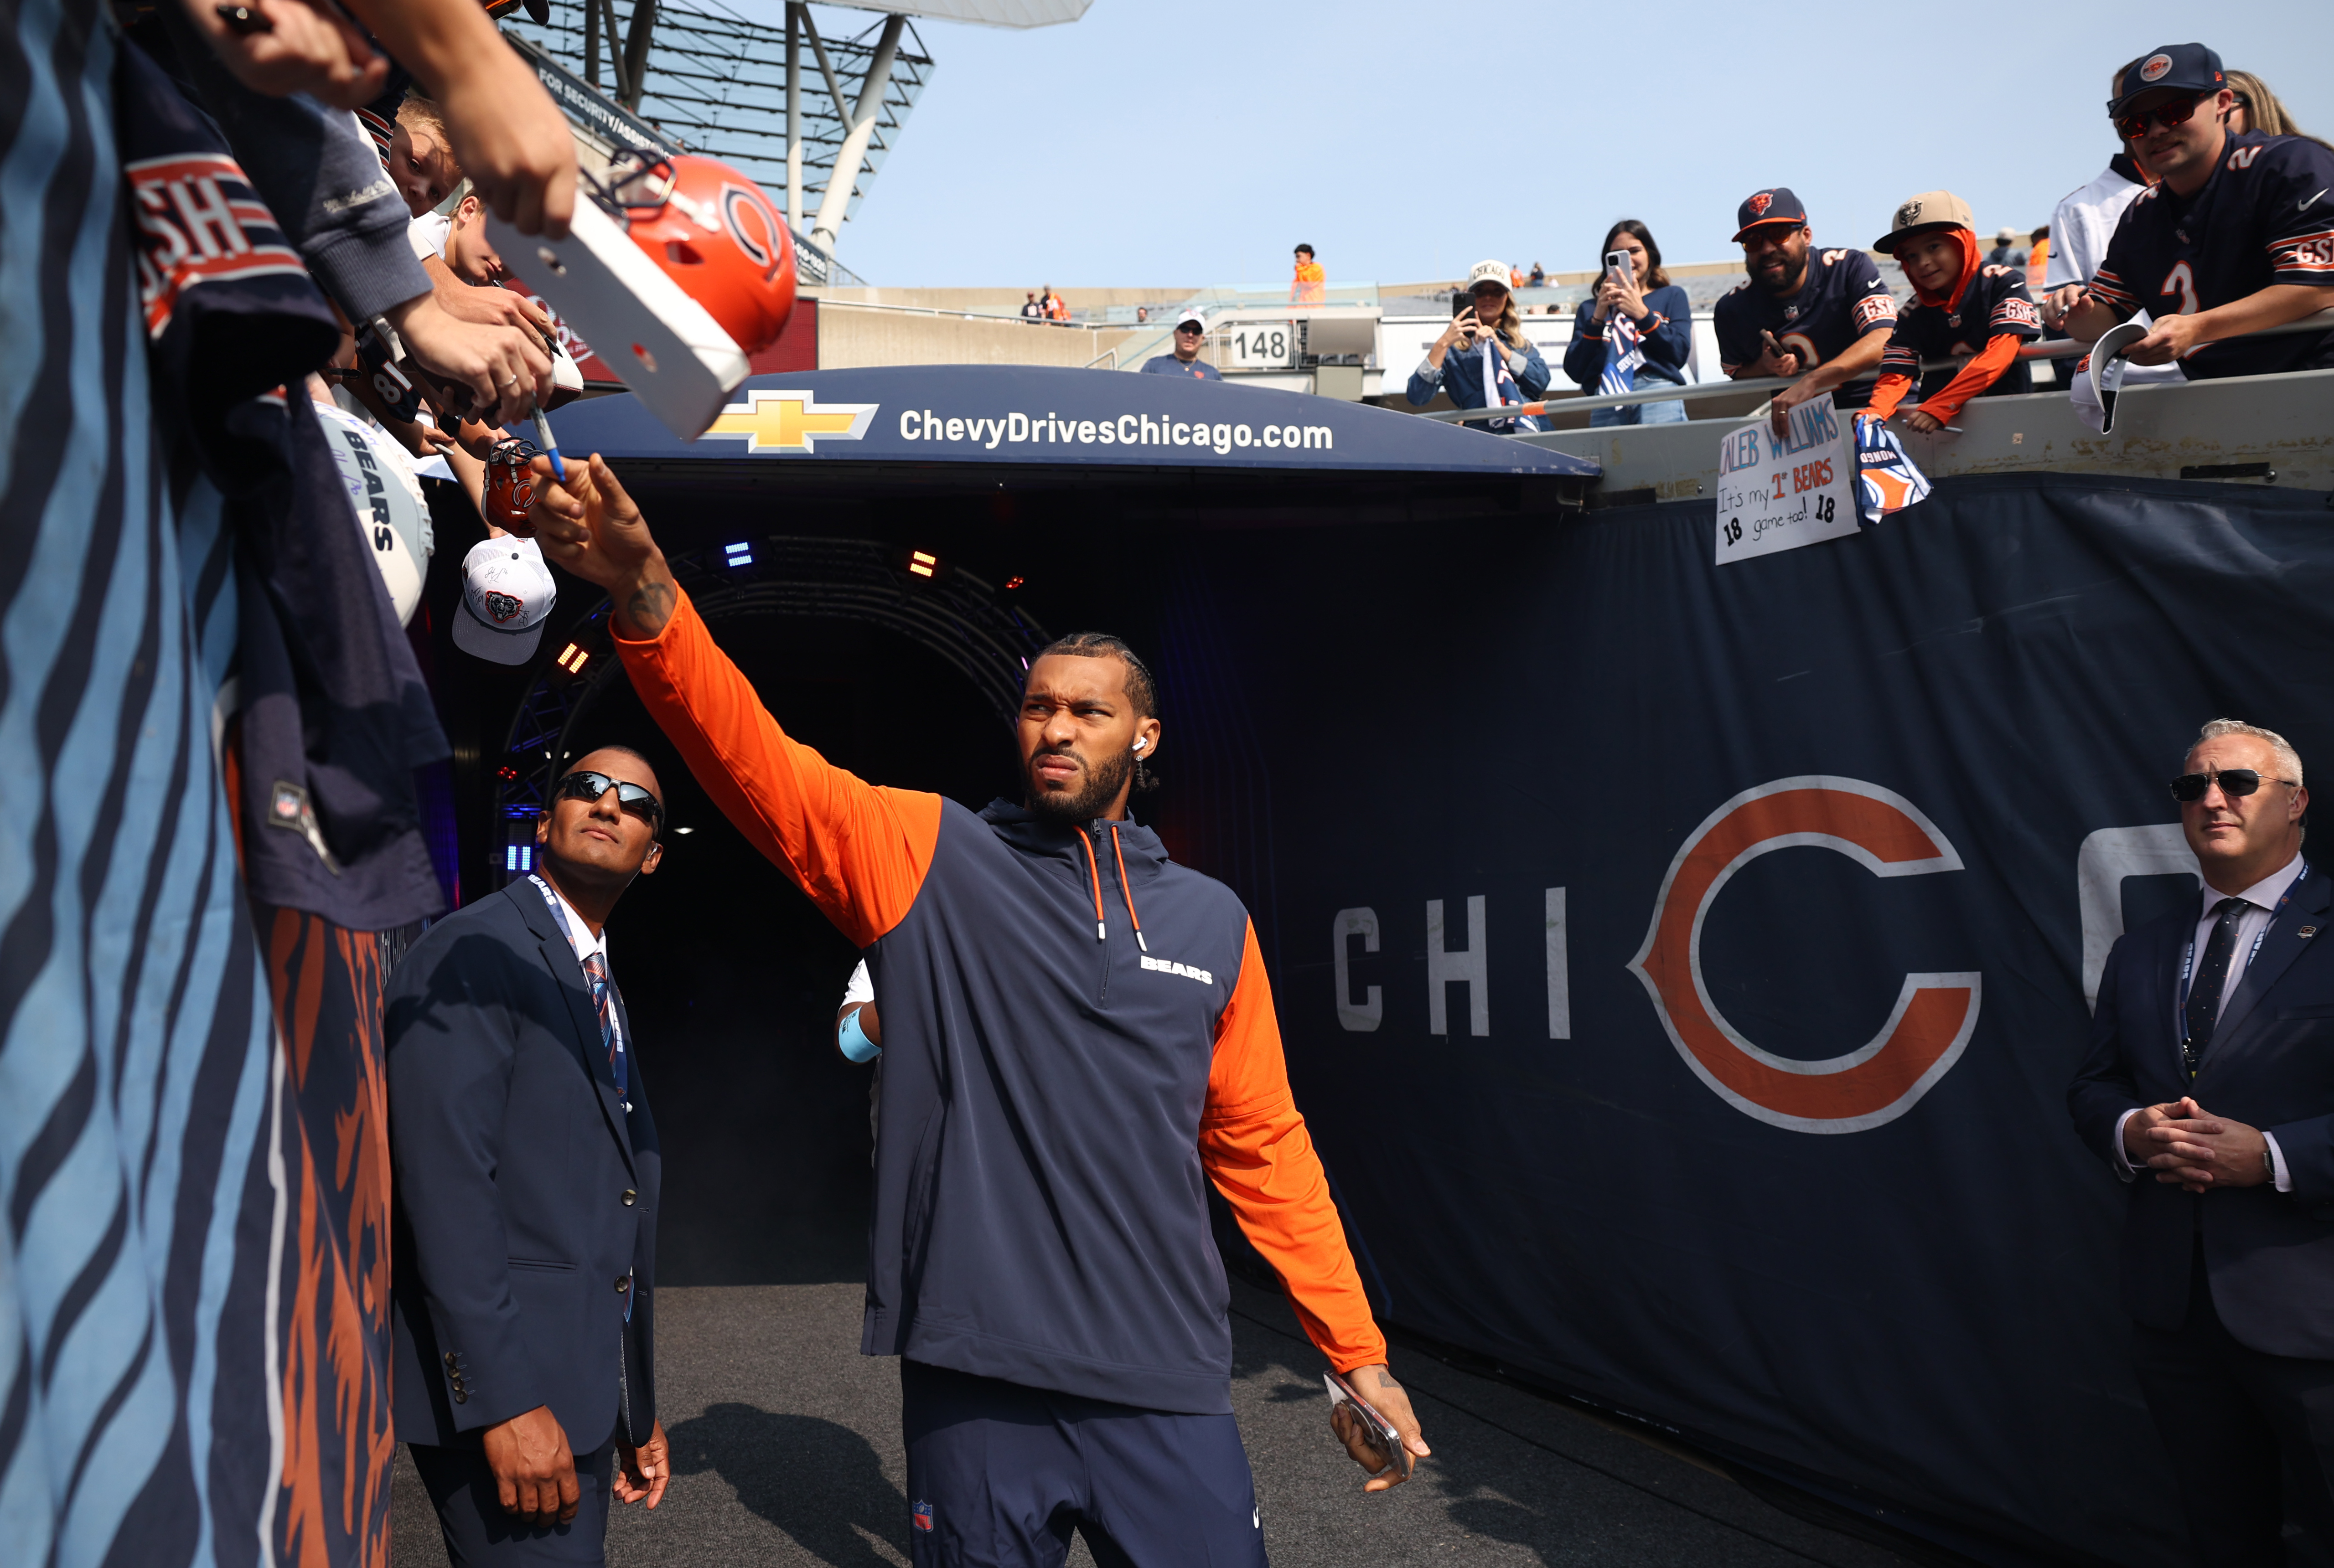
(2209, 1090)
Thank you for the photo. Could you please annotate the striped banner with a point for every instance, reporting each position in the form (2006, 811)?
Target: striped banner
(193, 1258)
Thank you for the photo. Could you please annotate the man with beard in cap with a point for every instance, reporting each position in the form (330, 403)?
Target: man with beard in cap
(1821, 315)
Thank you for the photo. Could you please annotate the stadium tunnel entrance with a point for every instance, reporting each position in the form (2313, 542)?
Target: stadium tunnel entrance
(884, 609)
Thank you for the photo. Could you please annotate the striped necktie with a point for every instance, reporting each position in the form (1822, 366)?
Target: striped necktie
(604, 1003)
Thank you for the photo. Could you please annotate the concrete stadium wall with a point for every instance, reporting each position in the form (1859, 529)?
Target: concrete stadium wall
(850, 339)
(1006, 302)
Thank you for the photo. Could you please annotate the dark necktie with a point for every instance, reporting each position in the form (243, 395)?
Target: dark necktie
(604, 1002)
(2211, 981)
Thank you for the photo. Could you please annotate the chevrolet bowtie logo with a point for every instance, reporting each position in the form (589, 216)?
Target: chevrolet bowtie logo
(791, 421)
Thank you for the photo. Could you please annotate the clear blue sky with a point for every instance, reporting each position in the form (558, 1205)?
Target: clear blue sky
(1197, 142)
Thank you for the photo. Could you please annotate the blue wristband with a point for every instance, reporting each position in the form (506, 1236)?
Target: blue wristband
(854, 1041)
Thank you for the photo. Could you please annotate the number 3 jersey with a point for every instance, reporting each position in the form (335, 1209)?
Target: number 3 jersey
(2266, 216)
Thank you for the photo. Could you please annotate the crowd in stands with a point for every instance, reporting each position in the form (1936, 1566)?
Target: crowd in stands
(2214, 220)
(1044, 305)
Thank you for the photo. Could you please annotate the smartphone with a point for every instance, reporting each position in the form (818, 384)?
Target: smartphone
(1377, 1432)
(1618, 266)
(661, 343)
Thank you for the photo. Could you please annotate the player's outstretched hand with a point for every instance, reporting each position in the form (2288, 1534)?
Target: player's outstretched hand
(1389, 1400)
(588, 525)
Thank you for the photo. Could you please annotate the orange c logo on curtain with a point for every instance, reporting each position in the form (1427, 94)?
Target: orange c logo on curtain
(1886, 834)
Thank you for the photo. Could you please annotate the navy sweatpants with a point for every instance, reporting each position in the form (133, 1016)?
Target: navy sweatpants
(998, 1475)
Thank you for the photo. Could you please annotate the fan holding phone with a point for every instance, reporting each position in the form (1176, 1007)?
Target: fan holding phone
(1482, 360)
(1637, 328)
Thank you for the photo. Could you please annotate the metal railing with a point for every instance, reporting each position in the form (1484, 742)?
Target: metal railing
(825, 304)
(2059, 349)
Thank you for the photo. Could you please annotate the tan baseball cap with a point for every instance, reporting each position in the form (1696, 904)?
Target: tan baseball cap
(1930, 209)
(1488, 272)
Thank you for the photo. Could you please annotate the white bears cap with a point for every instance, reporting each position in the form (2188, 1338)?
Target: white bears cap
(506, 592)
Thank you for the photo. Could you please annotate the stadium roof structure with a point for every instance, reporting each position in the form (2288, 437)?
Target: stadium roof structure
(712, 80)
(985, 12)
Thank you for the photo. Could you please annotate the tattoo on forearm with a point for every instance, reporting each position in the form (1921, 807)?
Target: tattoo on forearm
(649, 607)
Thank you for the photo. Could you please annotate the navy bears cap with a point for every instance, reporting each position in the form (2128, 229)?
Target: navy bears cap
(2190, 67)
(1774, 204)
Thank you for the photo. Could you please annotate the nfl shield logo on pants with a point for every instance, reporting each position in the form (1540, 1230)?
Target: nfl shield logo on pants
(922, 1514)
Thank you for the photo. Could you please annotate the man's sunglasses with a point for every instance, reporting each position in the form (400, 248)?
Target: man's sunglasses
(584, 784)
(2134, 126)
(1189, 328)
(2236, 783)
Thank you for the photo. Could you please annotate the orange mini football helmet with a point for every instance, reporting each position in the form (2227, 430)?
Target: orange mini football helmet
(510, 486)
(716, 234)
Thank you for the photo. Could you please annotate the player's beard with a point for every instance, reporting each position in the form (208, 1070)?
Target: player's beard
(1103, 783)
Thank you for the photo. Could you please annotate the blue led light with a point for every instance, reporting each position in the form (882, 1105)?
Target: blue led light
(518, 857)
(740, 555)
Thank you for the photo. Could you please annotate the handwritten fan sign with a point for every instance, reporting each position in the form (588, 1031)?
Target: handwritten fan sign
(1777, 494)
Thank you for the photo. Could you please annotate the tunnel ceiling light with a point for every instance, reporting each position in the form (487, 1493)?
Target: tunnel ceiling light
(922, 563)
(739, 554)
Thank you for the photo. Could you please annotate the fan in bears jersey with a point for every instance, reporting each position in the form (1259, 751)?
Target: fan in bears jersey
(2238, 236)
(1962, 309)
(1821, 315)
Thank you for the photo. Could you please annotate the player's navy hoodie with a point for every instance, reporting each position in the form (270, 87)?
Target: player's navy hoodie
(1078, 1035)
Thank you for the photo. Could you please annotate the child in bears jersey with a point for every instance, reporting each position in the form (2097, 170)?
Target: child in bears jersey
(1962, 310)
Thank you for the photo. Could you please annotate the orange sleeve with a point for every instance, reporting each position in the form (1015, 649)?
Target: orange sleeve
(1983, 370)
(1886, 393)
(861, 852)
(1255, 1148)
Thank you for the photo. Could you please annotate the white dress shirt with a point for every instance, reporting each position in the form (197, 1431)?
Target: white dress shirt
(2261, 900)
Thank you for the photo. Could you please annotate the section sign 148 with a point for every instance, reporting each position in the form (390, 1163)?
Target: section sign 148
(1260, 345)
(1778, 495)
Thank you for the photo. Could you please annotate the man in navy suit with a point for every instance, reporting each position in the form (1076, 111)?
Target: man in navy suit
(2210, 1088)
(525, 1194)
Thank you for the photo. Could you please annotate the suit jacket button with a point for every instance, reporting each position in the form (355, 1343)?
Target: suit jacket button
(450, 1359)
(460, 1398)
(630, 1197)
(623, 1282)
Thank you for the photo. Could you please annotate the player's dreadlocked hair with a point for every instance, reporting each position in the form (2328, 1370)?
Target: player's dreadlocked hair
(1140, 689)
